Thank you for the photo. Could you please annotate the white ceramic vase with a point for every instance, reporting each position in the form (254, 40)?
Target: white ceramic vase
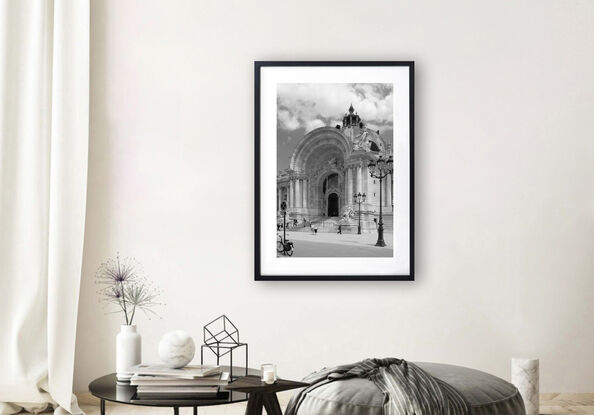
(128, 351)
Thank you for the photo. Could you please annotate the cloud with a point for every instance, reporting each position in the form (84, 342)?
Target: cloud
(313, 124)
(308, 105)
(287, 120)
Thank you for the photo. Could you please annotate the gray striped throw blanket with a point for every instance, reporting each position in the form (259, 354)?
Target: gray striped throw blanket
(408, 389)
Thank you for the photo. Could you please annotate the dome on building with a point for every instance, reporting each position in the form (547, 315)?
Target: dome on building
(351, 119)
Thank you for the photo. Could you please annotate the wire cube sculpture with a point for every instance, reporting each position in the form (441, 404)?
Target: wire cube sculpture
(221, 330)
(221, 337)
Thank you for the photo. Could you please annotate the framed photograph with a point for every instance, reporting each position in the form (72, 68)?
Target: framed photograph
(334, 171)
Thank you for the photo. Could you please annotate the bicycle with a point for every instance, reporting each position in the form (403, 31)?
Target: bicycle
(285, 247)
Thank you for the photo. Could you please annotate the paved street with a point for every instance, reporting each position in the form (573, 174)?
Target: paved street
(335, 245)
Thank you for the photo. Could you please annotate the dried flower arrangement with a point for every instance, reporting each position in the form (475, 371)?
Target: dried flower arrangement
(124, 284)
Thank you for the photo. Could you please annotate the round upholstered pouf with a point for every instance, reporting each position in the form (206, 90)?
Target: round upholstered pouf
(485, 394)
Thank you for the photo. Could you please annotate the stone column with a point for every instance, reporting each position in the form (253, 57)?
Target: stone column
(365, 179)
(305, 183)
(389, 190)
(347, 192)
(291, 195)
(353, 185)
(350, 185)
(344, 188)
(359, 180)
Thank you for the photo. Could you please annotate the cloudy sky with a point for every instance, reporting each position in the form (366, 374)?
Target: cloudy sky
(305, 107)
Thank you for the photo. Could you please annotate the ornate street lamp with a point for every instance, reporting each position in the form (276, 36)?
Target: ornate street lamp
(359, 198)
(380, 170)
(284, 213)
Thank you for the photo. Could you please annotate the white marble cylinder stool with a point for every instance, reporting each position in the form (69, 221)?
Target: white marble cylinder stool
(524, 376)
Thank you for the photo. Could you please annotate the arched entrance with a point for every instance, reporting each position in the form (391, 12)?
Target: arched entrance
(332, 204)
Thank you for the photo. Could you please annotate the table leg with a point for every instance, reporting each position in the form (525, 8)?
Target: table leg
(255, 404)
(271, 404)
(175, 410)
(102, 407)
(195, 410)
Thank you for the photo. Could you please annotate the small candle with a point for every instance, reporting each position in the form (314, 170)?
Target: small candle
(268, 377)
(268, 373)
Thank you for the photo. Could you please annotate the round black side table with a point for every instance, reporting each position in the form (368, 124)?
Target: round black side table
(106, 388)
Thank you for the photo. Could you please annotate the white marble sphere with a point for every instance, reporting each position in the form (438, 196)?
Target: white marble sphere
(176, 349)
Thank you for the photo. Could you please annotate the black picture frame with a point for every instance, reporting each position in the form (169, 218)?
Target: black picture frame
(258, 66)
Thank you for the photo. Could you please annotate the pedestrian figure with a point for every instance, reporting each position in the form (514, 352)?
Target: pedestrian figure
(315, 230)
(311, 226)
(339, 230)
(375, 221)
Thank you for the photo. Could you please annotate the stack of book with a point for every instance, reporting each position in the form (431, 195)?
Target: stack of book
(155, 382)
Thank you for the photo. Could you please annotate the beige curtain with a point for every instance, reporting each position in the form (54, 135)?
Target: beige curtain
(44, 95)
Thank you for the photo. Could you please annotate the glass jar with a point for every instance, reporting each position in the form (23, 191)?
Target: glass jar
(268, 373)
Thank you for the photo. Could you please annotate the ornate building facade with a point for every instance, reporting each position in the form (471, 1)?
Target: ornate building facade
(328, 168)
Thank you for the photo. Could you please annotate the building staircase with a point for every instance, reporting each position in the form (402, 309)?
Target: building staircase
(327, 224)
(323, 223)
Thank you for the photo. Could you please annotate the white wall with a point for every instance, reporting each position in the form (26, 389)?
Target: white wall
(504, 178)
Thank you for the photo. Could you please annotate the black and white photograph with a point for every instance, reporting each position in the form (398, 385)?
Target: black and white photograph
(342, 168)
(334, 180)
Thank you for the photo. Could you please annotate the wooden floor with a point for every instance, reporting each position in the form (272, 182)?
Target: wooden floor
(567, 403)
(550, 403)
